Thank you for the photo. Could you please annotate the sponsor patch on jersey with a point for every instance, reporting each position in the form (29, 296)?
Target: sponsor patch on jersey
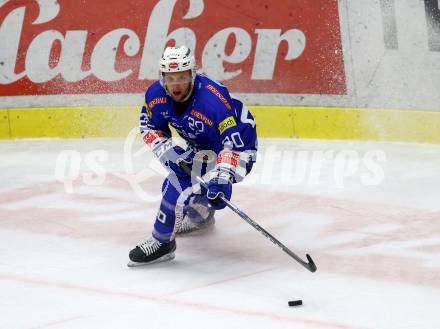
(202, 117)
(152, 135)
(226, 124)
(229, 158)
(157, 100)
(212, 89)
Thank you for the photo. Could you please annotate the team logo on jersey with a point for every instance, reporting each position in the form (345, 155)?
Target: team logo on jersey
(226, 124)
(212, 89)
(157, 100)
(202, 117)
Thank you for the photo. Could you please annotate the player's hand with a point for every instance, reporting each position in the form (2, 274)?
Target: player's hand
(220, 184)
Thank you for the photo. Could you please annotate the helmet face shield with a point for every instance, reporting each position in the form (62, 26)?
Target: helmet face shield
(171, 79)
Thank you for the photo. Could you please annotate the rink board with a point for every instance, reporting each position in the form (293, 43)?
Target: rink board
(272, 121)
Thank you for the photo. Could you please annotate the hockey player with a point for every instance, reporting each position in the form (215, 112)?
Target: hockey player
(207, 118)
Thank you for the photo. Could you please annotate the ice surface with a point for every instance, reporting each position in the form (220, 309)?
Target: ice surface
(372, 227)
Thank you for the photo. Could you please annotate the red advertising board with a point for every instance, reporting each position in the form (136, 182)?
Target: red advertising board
(99, 47)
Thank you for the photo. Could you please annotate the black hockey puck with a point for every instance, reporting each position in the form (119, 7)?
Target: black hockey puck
(295, 302)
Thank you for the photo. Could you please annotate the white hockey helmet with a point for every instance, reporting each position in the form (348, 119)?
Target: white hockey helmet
(177, 59)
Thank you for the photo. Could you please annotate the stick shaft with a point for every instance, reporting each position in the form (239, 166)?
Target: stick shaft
(310, 265)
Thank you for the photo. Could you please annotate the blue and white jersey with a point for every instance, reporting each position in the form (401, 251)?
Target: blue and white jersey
(210, 119)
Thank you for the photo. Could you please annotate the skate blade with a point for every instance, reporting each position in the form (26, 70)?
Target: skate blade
(162, 259)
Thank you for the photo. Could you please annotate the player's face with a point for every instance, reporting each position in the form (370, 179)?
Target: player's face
(178, 84)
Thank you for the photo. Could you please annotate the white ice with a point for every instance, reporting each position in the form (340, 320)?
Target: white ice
(368, 213)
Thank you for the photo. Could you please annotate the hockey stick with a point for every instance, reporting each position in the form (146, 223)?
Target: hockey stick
(310, 265)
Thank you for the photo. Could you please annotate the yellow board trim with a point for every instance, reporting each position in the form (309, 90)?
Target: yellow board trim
(72, 122)
(272, 121)
(348, 123)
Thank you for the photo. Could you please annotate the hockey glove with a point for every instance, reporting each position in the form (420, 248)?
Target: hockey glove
(220, 184)
(168, 155)
(168, 152)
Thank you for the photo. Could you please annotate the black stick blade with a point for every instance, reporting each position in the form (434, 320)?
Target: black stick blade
(312, 266)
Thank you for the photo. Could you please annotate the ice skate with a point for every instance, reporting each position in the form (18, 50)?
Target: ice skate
(199, 217)
(152, 251)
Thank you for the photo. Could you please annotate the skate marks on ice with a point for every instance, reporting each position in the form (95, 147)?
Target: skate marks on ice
(181, 305)
(344, 236)
(372, 240)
